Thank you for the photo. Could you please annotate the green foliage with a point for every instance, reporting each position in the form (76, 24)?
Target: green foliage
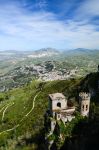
(2, 97)
(23, 99)
(29, 133)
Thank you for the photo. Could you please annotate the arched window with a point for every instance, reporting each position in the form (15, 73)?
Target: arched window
(58, 116)
(86, 107)
(83, 107)
(58, 104)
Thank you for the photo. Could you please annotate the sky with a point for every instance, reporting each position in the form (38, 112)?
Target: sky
(60, 24)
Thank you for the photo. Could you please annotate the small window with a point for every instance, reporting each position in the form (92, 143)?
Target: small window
(58, 104)
(86, 107)
(58, 116)
(83, 107)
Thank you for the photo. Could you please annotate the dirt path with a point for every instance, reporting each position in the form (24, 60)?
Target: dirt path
(2, 109)
(33, 105)
(9, 105)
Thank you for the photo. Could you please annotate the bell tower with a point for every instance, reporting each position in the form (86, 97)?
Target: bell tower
(84, 101)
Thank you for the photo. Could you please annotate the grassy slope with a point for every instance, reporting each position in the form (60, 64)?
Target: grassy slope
(31, 125)
(28, 134)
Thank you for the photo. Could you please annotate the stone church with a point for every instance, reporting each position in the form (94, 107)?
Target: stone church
(59, 109)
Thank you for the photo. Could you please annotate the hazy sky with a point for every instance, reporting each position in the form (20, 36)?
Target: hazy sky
(62, 24)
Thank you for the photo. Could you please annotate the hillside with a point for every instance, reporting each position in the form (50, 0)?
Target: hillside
(81, 133)
(46, 52)
(22, 112)
(22, 123)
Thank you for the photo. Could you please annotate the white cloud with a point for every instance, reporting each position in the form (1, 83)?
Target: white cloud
(88, 9)
(41, 4)
(21, 29)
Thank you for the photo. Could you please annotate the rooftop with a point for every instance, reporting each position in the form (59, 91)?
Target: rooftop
(56, 96)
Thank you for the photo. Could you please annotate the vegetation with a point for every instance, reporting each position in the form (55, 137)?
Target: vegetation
(27, 129)
(22, 124)
(81, 132)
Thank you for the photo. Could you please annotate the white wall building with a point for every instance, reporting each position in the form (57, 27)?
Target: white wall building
(59, 108)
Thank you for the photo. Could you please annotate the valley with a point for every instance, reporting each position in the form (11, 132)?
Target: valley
(19, 68)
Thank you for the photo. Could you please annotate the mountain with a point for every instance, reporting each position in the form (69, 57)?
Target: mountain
(81, 51)
(45, 52)
(14, 54)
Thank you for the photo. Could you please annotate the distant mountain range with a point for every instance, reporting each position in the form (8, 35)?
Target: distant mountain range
(46, 53)
(80, 51)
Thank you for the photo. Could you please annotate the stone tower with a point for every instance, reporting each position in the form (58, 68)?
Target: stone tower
(84, 101)
(57, 101)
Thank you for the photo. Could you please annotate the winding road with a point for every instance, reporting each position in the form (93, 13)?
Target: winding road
(16, 126)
